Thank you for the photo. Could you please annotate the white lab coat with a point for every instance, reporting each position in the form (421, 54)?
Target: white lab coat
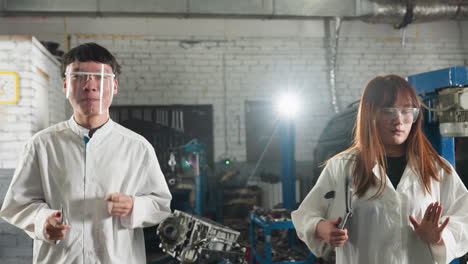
(379, 230)
(58, 168)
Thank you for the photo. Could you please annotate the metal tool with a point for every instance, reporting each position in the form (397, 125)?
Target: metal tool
(349, 204)
(348, 214)
(63, 221)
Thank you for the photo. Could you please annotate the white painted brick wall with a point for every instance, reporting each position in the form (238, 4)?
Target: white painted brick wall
(57, 107)
(40, 103)
(356, 66)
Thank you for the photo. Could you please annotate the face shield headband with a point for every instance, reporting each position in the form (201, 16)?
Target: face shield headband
(90, 87)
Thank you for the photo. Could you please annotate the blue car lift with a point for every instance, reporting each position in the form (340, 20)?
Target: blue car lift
(199, 150)
(288, 172)
(426, 85)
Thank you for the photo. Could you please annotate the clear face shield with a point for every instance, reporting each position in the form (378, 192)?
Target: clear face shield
(90, 87)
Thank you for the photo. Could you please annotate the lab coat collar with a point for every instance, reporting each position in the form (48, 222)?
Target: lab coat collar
(404, 181)
(377, 169)
(98, 136)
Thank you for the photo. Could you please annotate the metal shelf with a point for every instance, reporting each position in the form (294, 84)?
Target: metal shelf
(268, 226)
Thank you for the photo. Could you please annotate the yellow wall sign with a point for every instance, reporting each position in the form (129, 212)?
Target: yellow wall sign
(9, 87)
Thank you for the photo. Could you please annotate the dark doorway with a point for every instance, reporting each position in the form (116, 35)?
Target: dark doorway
(260, 129)
(170, 126)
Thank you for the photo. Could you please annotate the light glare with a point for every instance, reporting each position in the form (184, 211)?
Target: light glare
(287, 105)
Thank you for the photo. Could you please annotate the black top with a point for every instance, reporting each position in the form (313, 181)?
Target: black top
(93, 130)
(395, 168)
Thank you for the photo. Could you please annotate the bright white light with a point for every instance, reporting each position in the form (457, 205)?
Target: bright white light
(287, 105)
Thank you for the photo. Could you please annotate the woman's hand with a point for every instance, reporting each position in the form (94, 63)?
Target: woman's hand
(428, 229)
(330, 233)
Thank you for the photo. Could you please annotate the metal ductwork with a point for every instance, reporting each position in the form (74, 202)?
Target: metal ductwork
(403, 12)
(397, 12)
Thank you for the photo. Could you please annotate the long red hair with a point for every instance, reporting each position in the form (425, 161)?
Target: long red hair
(383, 91)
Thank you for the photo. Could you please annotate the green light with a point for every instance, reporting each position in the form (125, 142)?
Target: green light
(185, 163)
(227, 162)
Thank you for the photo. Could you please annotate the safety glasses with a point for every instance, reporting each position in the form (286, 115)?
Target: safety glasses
(85, 76)
(408, 115)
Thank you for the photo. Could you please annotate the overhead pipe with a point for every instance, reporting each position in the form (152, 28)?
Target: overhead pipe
(402, 13)
(333, 46)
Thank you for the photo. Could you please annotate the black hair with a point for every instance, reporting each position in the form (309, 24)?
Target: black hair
(90, 52)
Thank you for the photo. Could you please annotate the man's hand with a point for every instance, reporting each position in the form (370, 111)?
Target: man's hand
(332, 235)
(429, 229)
(119, 204)
(53, 229)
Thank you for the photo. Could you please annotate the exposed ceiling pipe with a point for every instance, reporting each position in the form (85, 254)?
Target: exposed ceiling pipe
(332, 56)
(403, 12)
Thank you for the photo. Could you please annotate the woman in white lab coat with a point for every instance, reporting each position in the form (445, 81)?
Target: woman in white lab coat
(408, 203)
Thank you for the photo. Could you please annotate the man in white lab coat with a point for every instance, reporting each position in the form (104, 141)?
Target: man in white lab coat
(85, 188)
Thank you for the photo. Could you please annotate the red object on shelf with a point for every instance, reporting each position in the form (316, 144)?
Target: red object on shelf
(248, 255)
